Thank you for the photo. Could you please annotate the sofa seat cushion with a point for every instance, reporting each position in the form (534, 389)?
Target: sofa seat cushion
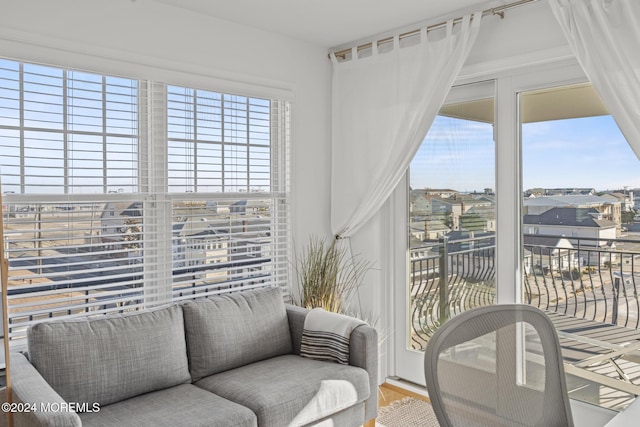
(183, 405)
(291, 390)
(105, 359)
(228, 331)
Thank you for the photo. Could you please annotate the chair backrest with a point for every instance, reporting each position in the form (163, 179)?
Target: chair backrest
(498, 365)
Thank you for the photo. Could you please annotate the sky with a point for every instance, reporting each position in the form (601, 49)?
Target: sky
(585, 152)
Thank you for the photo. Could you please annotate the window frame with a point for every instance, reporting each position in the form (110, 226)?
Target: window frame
(509, 249)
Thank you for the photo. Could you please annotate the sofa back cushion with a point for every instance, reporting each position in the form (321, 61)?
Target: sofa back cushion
(111, 358)
(228, 331)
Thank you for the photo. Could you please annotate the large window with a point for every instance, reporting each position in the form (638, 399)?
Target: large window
(120, 194)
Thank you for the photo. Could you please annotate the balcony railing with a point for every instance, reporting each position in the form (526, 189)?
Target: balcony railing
(587, 279)
(466, 267)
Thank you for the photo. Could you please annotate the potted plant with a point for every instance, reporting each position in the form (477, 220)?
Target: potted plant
(328, 275)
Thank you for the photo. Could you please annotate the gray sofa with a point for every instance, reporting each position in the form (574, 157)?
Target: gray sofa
(225, 361)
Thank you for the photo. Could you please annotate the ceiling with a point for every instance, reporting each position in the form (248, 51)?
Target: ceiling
(567, 102)
(327, 23)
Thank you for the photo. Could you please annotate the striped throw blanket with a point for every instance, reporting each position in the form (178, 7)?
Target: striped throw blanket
(325, 335)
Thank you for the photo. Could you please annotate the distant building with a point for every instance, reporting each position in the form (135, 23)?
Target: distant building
(116, 221)
(478, 213)
(201, 242)
(445, 193)
(570, 191)
(420, 204)
(636, 202)
(574, 224)
(625, 198)
(454, 211)
(544, 255)
(428, 229)
(448, 211)
(202, 234)
(608, 207)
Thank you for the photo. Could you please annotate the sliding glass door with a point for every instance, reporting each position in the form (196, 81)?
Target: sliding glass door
(542, 214)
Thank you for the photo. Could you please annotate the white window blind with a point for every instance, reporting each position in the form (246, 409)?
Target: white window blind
(219, 153)
(218, 142)
(121, 194)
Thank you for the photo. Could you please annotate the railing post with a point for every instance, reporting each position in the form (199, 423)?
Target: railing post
(616, 292)
(444, 279)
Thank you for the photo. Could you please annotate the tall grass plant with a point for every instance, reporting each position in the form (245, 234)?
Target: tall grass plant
(328, 275)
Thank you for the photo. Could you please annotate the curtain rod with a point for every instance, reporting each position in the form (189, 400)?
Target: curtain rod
(498, 10)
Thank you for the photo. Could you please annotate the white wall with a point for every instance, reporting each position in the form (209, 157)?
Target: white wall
(146, 39)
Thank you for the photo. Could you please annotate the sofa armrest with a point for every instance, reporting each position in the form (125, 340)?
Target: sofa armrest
(296, 317)
(363, 352)
(28, 386)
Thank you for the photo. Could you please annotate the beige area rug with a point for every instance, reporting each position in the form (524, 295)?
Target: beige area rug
(407, 412)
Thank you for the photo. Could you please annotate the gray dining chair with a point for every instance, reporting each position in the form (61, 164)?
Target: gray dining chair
(498, 365)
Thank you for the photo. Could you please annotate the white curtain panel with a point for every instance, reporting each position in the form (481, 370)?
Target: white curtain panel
(383, 106)
(605, 37)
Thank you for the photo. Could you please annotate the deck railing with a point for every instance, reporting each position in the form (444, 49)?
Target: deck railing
(588, 279)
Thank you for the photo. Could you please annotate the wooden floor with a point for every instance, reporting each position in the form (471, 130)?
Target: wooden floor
(388, 393)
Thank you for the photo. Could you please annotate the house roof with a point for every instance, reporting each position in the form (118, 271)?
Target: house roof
(620, 197)
(536, 245)
(432, 225)
(571, 200)
(550, 241)
(571, 217)
(123, 209)
(213, 226)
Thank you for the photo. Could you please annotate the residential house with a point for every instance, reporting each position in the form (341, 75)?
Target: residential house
(584, 226)
(625, 198)
(207, 248)
(636, 201)
(428, 229)
(447, 210)
(420, 203)
(444, 193)
(120, 224)
(479, 211)
(609, 207)
(548, 255)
